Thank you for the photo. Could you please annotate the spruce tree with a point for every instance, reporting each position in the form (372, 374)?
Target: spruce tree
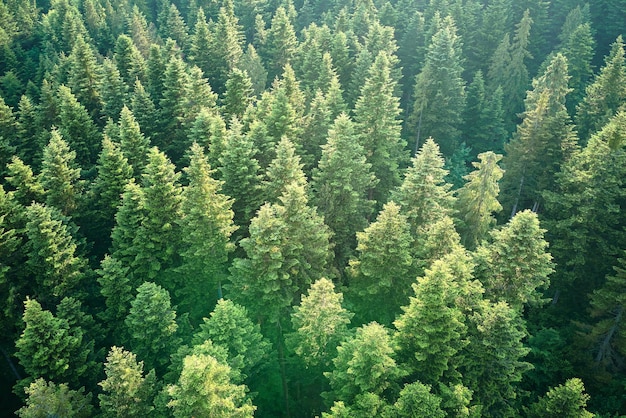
(126, 391)
(280, 44)
(129, 60)
(83, 76)
(142, 105)
(378, 127)
(440, 91)
(113, 90)
(60, 175)
(28, 187)
(151, 325)
(238, 94)
(380, 274)
(566, 400)
(118, 289)
(341, 182)
(477, 200)
(283, 171)
(128, 219)
(206, 227)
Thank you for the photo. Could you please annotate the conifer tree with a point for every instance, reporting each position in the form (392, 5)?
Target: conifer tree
(226, 47)
(144, 110)
(605, 94)
(28, 187)
(174, 27)
(206, 227)
(30, 145)
(341, 182)
(364, 364)
(281, 43)
(83, 76)
(378, 128)
(579, 50)
(543, 141)
(209, 131)
(77, 127)
(566, 400)
(118, 289)
(173, 106)
(494, 359)
(440, 91)
(133, 144)
(113, 90)
(126, 391)
(52, 255)
(416, 400)
(252, 64)
(240, 172)
(478, 199)
(158, 238)
(60, 175)
(229, 327)
(205, 389)
(380, 275)
(128, 218)
(515, 266)
(49, 399)
(151, 324)
(238, 94)
(431, 330)
(129, 60)
(283, 171)
(49, 348)
(8, 134)
(320, 323)
(288, 249)
(200, 43)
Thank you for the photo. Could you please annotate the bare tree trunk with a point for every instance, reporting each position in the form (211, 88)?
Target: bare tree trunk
(605, 346)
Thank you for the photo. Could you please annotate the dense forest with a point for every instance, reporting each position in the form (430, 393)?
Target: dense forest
(300, 208)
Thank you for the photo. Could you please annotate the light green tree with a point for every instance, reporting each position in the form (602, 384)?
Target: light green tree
(46, 399)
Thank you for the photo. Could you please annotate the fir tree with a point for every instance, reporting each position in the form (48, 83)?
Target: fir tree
(28, 187)
(113, 90)
(83, 77)
(46, 398)
(283, 171)
(126, 391)
(281, 43)
(117, 289)
(129, 60)
(238, 94)
(566, 400)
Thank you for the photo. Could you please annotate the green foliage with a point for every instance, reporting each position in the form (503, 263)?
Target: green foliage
(380, 274)
(238, 94)
(151, 324)
(515, 266)
(126, 391)
(283, 171)
(117, 290)
(320, 324)
(478, 199)
(230, 328)
(28, 187)
(566, 400)
(204, 389)
(364, 363)
(45, 399)
(415, 401)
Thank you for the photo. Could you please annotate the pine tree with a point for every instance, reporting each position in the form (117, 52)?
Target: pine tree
(128, 219)
(320, 323)
(378, 127)
(478, 199)
(240, 173)
(209, 131)
(364, 364)
(60, 175)
(28, 187)
(206, 227)
(566, 400)
(205, 389)
(142, 105)
(341, 182)
(133, 144)
(151, 324)
(226, 47)
(416, 400)
(252, 64)
(440, 91)
(158, 238)
(288, 249)
(283, 171)
(113, 90)
(52, 255)
(83, 76)
(126, 391)
(280, 44)
(579, 50)
(49, 348)
(515, 266)
(605, 94)
(238, 94)
(200, 43)
(229, 327)
(129, 60)
(543, 141)
(380, 274)
(77, 127)
(117, 289)
(30, 145)
(431, 330)
(173, 107)
(48, 399)
(493, 360)
(174, 27)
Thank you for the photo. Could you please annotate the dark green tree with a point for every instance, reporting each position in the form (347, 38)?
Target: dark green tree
(142, 105)
(283, 171)
(129, 60)
(206, 227)
(83, 77)
(118, 291)
(28, 187)
(280, 44)
(113, 90)
(238, 94)
(416, 400)
(151, 324)
(566, 400)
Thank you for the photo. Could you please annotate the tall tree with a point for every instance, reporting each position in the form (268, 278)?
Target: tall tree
(206, 227)
(378, 128)
(341, 182)
(283, 171)
(47, 398)
(380, 274)
(478, 199)
(515, 266)
(543, 142)
(280, 44)
(118, 289)
(566, 400)
(440, 91)
(133, 144)
(605, 95)
(83, 76)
